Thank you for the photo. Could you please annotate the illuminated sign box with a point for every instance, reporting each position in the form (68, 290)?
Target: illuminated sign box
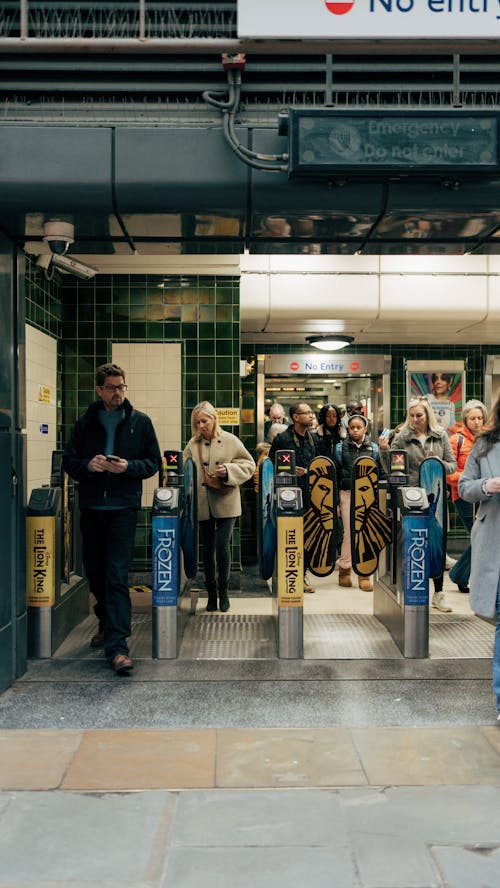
(394, 142)
(368, 19)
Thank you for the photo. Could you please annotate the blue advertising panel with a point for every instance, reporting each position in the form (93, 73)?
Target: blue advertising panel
(415, 560)
(165, 567)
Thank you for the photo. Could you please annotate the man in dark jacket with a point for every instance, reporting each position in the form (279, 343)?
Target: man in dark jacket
(111, 449)
(298, 438)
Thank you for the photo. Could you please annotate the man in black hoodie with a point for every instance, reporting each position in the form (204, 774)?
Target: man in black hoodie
(112, 448)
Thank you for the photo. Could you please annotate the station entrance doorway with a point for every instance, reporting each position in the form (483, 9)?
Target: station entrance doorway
(319, 379)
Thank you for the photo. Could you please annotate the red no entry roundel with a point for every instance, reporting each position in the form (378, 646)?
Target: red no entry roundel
(340, 7)
(294, 365)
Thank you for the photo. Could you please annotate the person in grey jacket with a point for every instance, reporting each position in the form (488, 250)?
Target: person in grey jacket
(421, 436)
(480, 483)
(226, 461)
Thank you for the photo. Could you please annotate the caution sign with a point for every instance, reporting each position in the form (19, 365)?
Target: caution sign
(290, 573)
(228, 415)
(40, 560)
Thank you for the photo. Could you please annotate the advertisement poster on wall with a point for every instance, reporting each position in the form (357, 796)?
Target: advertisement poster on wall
(443, 384)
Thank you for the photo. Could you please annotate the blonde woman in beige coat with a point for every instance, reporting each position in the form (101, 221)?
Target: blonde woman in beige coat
(222, 460)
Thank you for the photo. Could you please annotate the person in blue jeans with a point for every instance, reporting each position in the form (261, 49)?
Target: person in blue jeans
(112, 448)
(474, 417)
(480, 483)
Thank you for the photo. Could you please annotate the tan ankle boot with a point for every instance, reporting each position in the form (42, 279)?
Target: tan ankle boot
(365, 584)
(345, 577)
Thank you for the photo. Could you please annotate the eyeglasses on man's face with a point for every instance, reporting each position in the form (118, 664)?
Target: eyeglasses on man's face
(115, 388)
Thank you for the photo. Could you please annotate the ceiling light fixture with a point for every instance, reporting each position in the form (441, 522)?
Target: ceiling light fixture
(332, 342)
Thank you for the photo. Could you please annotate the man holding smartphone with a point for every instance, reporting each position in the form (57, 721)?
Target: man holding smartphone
(112, 448)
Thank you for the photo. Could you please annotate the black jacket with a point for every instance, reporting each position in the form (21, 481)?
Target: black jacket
(135, 441)
(350, 453)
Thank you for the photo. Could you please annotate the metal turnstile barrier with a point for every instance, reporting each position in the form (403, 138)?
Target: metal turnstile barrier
(174, 531)
(288, 603)
(401, 592)
(43, 556)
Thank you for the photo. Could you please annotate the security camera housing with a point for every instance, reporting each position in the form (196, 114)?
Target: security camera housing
(66, 264)
(58, 235)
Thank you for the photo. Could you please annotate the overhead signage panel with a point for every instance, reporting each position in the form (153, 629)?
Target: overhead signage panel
(302, 364)
(367, 19)
(336, 141)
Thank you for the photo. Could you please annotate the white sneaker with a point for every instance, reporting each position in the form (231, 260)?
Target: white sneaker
(440, 603)
(449, 562)
(308, 586)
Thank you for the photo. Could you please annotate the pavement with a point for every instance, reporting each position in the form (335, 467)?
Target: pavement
(236, 774)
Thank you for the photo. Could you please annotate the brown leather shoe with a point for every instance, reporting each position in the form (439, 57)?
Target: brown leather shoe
(121, 664)
(97, 640)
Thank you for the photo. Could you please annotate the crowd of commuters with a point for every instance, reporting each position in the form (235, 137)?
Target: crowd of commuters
(113, 447)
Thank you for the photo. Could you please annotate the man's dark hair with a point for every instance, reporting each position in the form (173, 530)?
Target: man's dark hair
(294, 408)
(106, 370)
(354, 405)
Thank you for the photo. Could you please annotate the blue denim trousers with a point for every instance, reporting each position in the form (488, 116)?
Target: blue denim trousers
(496, 653)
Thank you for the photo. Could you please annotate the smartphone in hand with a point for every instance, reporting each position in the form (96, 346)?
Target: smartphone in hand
(112, 458)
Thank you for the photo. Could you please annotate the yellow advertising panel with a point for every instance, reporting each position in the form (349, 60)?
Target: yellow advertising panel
(44, 394)
(228, 415)
(40, 560)
(290, 569)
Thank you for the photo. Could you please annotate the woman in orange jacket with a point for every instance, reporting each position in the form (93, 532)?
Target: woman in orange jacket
(474, 416)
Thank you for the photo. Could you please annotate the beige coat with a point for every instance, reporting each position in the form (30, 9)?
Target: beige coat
(225, 449)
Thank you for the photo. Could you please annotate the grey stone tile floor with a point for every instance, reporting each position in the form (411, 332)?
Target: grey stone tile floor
(417, 837)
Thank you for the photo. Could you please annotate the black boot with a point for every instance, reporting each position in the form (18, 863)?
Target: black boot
(212, 598)
(223, 600)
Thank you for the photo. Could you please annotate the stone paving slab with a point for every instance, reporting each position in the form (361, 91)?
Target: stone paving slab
(121, 761)
(365, 837)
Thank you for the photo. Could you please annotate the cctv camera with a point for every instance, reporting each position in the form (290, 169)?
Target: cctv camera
(337, 385)
(67, 264)
(58, 235)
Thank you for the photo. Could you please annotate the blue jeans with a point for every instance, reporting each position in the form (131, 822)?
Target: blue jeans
(496, 653)
(465, 513)
(107, 548)
(216, 538)
(460, 571)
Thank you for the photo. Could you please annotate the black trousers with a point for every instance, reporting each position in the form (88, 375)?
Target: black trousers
(216, 538)
(108, 537)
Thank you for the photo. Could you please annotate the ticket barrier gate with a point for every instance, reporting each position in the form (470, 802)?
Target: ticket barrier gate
(174, 531)
(282, 550)
(57, 593)
(401, 592)
(43, 558)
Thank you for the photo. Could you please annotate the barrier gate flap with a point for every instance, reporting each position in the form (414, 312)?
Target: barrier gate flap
(266, 523)
(320, 520)
(371, 529)
(432, 477)
(189, 520)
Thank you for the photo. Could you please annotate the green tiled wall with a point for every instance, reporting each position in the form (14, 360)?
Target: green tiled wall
(43, 305)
